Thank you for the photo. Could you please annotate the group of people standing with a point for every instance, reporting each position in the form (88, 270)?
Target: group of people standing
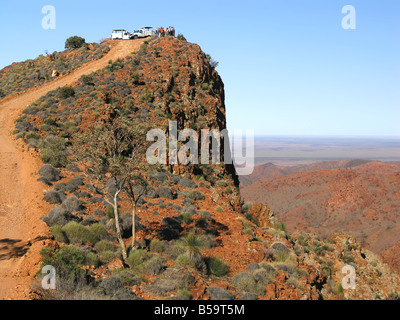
(163, 32)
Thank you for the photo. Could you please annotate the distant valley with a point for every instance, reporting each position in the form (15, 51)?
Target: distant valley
(357, 197)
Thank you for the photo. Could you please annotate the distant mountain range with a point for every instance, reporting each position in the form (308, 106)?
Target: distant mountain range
(271, 170)
(357, 197)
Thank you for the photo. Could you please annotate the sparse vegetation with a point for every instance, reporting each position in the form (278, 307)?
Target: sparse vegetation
(192, 245)
(188, 213)
(245, 282)
(75, 42)
(217, 267)
(78, 234)
(55, 152)
(66, 92)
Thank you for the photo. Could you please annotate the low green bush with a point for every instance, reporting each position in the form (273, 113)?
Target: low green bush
(55, 153)
(245, 282)
(79, 234)
(65, 92)
(157, 246)
(59, 234)
(85, 79)
(67, 261)
(99, 231)
(91, 259)
(75, 42)
(137, 257)
(183, 260)
(128, 278)
(217, 267)
(107, 256)
(105, 245)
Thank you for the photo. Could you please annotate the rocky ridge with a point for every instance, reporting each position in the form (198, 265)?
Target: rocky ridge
(246, 252)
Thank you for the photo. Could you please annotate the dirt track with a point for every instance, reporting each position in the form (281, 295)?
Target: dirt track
(21, 204)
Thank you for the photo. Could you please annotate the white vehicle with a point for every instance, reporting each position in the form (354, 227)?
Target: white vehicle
(143, 33)
(120, 35)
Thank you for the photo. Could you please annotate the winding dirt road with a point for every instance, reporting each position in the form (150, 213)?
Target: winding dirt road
(22, 234)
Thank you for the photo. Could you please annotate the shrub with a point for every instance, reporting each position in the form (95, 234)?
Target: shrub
(66, 261)
(110, 212)
(99, 231)
(294, 282)
(186, 217)
(72, 204)
(85, 79)
(33, 136)
(213, 63)
(107, 256)
(348, 258)
(291, 269)
(49, 122)
(148, 96)
(183, 260)
(153, 266)
(264, 277)
(205, 86)
(104, 245)
(181, 37)
(394, 296)
(128, 278)
(205, 214)
(55, 153)
(135, 77)
(54, 197)
(58, 216)
(245, 282)
(192, 245)
(194, 195)
(75, 42)
(185, 294)
(280, 226)
(137, 258)
(79, 234)
(114, 66)
(91, 259)
(157, 246)
(217, 293)
(111, 284)
(65, 92)
(30, 110)
(58, 234)
(217, 267)
(187, 183)
(165, 192)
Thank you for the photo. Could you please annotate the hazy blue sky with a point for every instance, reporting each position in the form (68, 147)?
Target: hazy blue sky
(288, 66)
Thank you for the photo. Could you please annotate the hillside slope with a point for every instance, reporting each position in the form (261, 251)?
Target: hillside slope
(21, 202)
(195, 239)
(361, 201)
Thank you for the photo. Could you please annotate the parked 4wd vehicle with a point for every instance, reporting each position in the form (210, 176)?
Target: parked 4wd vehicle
(143, 33)
(120, 34)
